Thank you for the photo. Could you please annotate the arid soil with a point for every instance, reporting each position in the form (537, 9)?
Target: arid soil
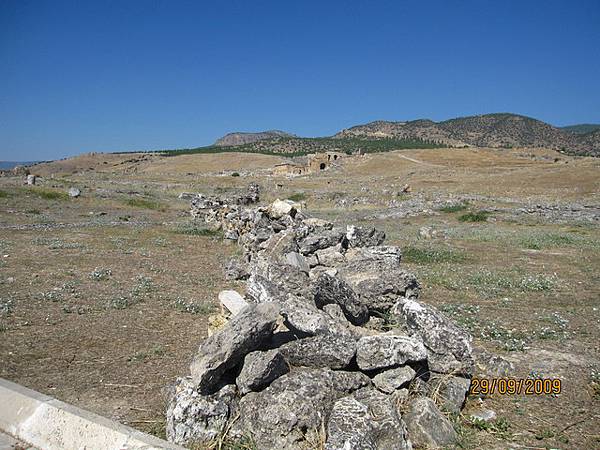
(104, 298)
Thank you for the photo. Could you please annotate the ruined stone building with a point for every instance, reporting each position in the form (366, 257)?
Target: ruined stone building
(314, 163)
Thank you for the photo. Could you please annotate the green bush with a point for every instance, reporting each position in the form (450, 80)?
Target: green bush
(197, 231)
(235, 174)
(143, 203)
(479, 216)
(297, 197)
(431, 255)
(3, 194)
(454, 208)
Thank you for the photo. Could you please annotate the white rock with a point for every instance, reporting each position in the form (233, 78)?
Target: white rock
(74, 192)
(279, 208)
(232, 301)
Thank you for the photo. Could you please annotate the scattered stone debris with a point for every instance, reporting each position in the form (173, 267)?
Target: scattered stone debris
(307, 360)
(30, 180)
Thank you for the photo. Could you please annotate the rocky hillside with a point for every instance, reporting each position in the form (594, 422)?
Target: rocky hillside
(501, 130)
(583, 128)
(238, 138)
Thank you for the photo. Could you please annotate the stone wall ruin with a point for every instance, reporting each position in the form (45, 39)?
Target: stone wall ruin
(330, 347)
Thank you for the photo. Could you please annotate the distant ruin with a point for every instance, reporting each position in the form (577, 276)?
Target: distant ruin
(314, 163)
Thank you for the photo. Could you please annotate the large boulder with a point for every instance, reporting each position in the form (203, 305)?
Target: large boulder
(280, 208)
(321, 239)
(387, 350)
(193, 417)
(448, 346)
(452, 391)
(246, 332)
(375, 275)
(427, 426)
(326, 350)
(364, 236)
(294, 407)
(367, 419)
(330, 290)
(260, 369)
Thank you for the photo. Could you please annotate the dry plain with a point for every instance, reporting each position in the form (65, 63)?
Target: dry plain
(104, 297)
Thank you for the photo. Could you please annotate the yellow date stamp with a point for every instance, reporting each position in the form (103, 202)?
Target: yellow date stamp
(515, 386)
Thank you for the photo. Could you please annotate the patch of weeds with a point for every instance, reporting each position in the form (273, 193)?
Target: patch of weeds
(297, 197)
(100, 274)
(500, 426)
(144, 203)
(545, 433)
(158, 429)
(466, 316)
(56, 244)
(161, 242)
(125, 218)
(235, 174)
(33, 211)
(121, 302)
(491, 283)
(538, 241)
(4, 194)
(431, 255)
(157, 350)
(48, 194)
(144, 286)
(453, 208)
(479, 216)
(537, 283)
(192, 307)
(193, 230)
(53, 296)
(6, 306)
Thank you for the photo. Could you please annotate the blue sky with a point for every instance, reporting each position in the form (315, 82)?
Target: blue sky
(79, 76)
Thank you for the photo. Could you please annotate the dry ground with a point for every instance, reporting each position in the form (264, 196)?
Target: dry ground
(104, 298)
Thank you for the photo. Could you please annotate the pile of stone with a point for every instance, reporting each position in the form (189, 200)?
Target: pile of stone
(329, 347)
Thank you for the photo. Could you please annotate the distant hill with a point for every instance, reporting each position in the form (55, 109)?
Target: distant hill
(582, 128)
(7, 165)
(500, 130)
(239, 138)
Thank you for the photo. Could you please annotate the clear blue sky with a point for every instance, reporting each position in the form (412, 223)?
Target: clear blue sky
(84, 76)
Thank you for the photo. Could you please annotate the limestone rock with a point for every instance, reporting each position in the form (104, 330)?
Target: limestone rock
(327, 350)
(452, 392)
(364, 236)
(320, 240)
(279, 208)
(294, 406)
(390, 380)
(260, 369)
(192, 417)
(305, 318)
(222, 351)
(232, 301)
(350, 426)
(74, 192)
(488, 365)
(330, 256)
(449, 347)
(427, 426)
(330, 290)
(381, 351)
(484, 415)
(297, 260)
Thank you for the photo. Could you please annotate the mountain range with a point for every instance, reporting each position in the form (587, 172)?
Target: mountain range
(498, 130)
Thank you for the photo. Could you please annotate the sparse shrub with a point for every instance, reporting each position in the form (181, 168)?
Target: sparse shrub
(6, 306)
(193, 230)
(479, 216)
(192, 307)
(100, 274)
(297, 197)
(48, 194)
(454, 208)
(144, 203)
(121, 302)
(33, 211)
(235, 174)
(3, 194)
(431, 255)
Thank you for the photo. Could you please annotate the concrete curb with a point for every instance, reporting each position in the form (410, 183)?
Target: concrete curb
(50, 424)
